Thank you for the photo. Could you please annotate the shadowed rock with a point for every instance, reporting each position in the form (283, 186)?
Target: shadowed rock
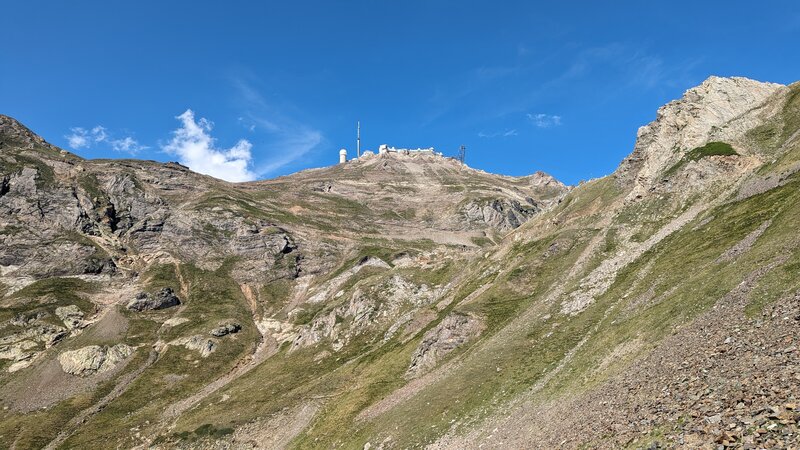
(165, 298)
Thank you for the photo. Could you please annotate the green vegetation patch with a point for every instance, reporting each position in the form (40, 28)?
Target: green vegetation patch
(386, 253)
(273, 296)
(696, 154)
(584, 203)
(90, 184)
(711, 149)
(683, 280)
(45, 177)
(56, 291)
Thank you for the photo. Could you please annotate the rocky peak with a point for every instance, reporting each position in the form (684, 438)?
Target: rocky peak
(13, 132)
(706, 112)
(543, 179)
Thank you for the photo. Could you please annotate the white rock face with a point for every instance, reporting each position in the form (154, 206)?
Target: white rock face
(72, 316)
(389, 304)
(93, 359)
(279, 330)
(324, 291)
(718, 109)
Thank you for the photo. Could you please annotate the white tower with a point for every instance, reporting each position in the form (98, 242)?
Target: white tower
(342, 156)
(358, 139)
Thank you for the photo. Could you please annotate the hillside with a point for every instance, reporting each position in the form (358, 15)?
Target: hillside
(408, 301)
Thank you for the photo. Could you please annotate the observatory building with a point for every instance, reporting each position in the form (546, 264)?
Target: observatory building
(385, 149)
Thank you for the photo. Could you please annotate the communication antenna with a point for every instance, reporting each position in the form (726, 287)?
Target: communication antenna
(358, 139)
(462, 153)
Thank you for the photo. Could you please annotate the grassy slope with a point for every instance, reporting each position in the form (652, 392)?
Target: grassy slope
(178, 372)
(493, 373)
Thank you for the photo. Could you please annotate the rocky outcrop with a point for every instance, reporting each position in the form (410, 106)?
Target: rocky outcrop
(325, 291)
(720, 109)
(93, 359)
(226, 329)
(500, 214)
(23, 346)
(72, 316)
(20, 353)
(389, 304)
(13, 132)
(454, 331)
(198, 343)
(165, 298)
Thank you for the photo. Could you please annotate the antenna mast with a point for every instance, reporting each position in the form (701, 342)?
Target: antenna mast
(358, 139)
(462, 153)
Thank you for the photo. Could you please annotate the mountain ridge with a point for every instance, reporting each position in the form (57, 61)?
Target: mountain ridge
(405, 301)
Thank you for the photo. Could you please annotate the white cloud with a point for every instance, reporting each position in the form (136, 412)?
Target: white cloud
(195, 147)
(127, 145)
(83, 138)
(78, 139)
(544, 120)
(99, 134)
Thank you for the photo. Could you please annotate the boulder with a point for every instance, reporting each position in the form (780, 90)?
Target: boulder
(227, 328)
(165, 298)
(93, 359)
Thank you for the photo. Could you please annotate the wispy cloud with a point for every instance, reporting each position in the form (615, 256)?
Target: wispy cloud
(542, 120)
(446, 99)
(285, 139)
(196, 148)
(528, 83)
(80, 138)
(506, 133)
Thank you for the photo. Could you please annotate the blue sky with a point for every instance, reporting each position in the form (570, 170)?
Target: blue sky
(247, 90)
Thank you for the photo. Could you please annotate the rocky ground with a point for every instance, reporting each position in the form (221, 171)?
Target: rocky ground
(725, 381)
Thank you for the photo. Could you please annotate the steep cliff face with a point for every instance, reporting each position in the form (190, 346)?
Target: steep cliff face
(405, 301)
(719, 109)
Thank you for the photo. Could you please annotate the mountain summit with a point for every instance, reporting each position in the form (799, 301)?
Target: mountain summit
(407, 300)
